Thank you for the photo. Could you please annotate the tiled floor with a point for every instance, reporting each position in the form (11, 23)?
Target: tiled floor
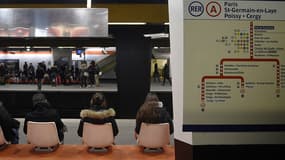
(79, 152)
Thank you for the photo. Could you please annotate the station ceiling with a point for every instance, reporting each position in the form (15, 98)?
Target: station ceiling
(79, 1)
(150, 11)
(153, 12)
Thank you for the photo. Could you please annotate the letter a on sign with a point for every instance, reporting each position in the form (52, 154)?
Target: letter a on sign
(213, 9)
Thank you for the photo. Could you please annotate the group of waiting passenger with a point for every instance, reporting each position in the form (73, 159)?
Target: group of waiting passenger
(54, 75)
(151, 111)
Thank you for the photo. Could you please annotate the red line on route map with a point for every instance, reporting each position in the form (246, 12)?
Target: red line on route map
(250, 59)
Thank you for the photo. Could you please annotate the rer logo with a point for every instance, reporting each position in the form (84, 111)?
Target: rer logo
(196, 8)
(213, 9)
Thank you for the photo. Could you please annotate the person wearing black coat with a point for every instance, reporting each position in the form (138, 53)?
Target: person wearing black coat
(98, 113)
(92, 71)
(40, 75)
(10, 126)
(166, 75)
(43, 112)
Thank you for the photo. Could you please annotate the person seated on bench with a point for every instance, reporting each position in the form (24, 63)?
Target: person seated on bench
(152, 111)
(43, 112)
(98, 113)
(9, 125)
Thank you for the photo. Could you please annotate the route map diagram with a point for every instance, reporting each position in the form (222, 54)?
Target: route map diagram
(234, 67)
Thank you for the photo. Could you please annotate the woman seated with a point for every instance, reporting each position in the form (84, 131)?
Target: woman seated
(98, 113)
(152, 111)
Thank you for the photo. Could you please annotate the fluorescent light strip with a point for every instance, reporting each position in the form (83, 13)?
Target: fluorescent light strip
(157, 35)
(41, 47)
(127, 23)
(16, 47)
(65, 47)
(89, 4)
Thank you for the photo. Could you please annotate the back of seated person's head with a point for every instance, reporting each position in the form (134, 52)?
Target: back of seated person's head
(39, 98)
(97, 99)
(149, 111)
(151, 97)
(154, 104)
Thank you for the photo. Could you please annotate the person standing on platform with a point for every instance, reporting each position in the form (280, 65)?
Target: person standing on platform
(67, 74)
(92, 72)
(62, 74)
(156, 75)
(98, 73)
(98, 113)
(53, 75)
(39, 76)
(77, 73)
(25, 72)
(43, 65)
(31, 73)
(2, 73)
(72, 72)
(9, 125)
(152, 111)
(83, 74)
(43, 112)
(166, 74)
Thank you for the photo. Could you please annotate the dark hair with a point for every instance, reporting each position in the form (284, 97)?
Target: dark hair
(149, 112)
(97, 99)
(151, 97)
(38, 98)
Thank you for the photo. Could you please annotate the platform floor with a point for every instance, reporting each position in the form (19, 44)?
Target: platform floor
(79, 152)
(104, 87)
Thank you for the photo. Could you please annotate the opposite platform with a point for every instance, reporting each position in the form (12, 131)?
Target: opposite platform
(79, 152)
(104, 87)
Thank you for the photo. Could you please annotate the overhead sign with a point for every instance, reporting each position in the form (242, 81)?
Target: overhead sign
(234, 10)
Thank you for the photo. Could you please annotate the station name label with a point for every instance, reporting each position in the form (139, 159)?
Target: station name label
(234, 10)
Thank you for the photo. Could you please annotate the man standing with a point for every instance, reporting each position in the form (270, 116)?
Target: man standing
(166, 74)
(39, 75)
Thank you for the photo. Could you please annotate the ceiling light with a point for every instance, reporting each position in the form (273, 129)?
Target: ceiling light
(127, 23)
(63, 47)
(157, 35)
